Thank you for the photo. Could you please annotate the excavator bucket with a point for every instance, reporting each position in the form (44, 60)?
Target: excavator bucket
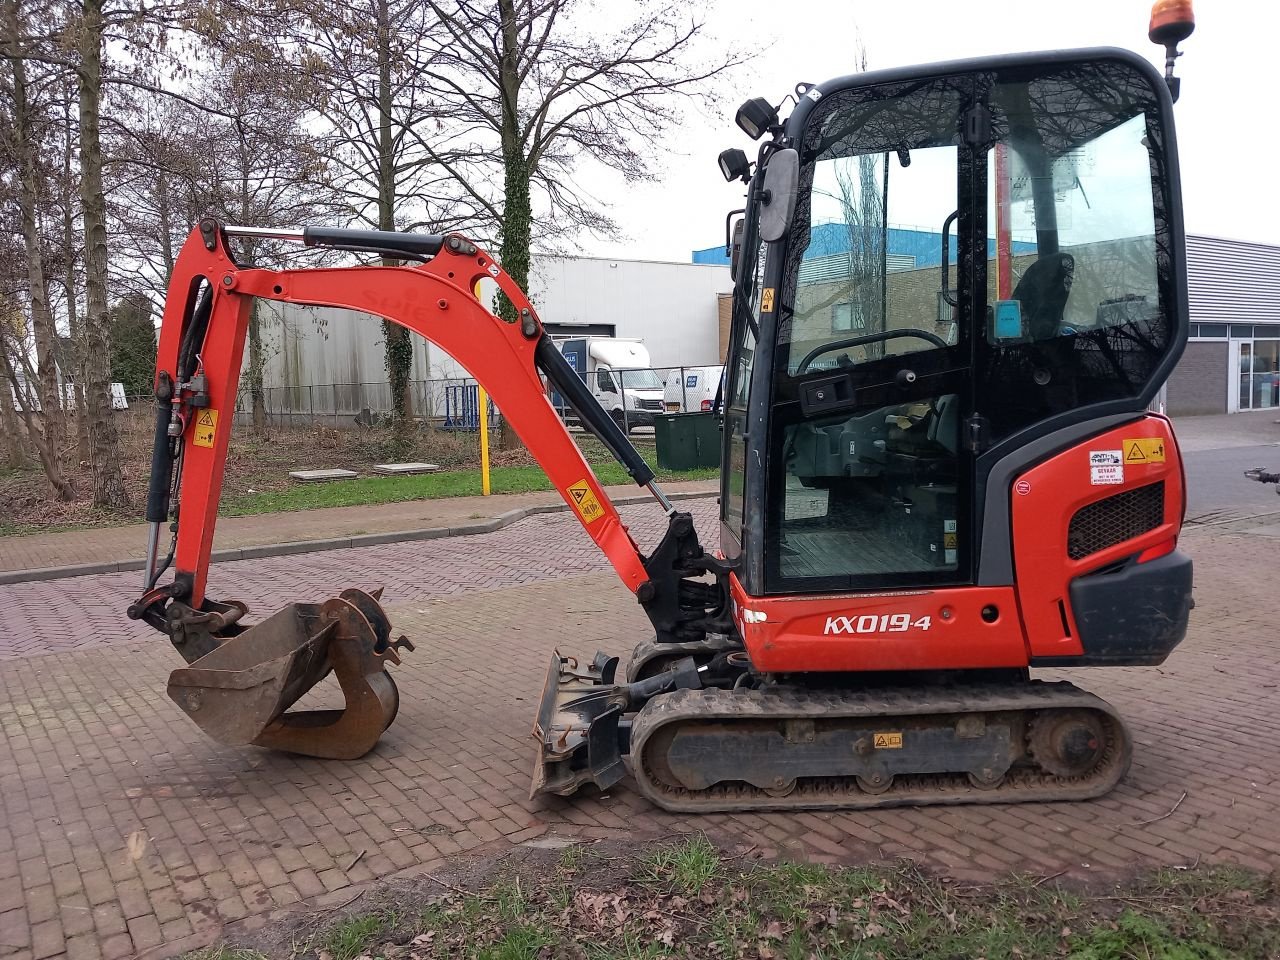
(239, 692)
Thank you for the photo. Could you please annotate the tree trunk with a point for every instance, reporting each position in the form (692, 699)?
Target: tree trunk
(83, 454)
(40, 438)
(166, 223)
(14, 454)
(399, 348)
(517, 207)
(257, 363)
(108, 481)
(29, 199)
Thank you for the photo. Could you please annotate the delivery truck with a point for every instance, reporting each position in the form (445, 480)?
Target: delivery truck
(619, 374)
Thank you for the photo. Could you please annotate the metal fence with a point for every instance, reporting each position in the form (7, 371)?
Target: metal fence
(633, 397)
(446, 404)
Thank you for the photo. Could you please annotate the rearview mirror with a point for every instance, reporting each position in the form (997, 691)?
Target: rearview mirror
(735, 247)
(778, 199)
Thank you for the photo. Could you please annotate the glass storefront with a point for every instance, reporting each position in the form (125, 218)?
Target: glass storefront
(1259, 374)
(1254, 371)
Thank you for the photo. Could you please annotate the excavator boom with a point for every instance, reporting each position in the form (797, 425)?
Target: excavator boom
(436, 299)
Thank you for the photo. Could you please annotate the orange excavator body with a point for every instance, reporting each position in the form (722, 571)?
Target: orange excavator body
(906, 530)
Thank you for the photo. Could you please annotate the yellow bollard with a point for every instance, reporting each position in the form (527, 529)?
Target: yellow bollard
(484, 439)
(483, 398)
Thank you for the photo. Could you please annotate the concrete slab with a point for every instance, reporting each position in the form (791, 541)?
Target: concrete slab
(395, 469)
(320, 476)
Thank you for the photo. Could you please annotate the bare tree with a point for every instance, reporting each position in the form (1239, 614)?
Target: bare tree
(70, 255)
(269, 170)
(156, 180)
(108, 481)
(246, 159)
(537, 89)
(363, 74)
(25, 136)
(14, 453)
(863, 200)
(12, 280)
(18, 391)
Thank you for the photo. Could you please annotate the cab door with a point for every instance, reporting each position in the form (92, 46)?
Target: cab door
(871, 462)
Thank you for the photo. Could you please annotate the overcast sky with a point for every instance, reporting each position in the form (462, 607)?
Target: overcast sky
(1226, 118)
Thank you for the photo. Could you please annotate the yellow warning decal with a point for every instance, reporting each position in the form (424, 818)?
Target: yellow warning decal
(585, 502)
(1145, 450)
(948, 541)
(206, 428)
(888, 741)
(766, 300)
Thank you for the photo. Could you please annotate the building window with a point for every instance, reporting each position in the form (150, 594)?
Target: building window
(847, 317)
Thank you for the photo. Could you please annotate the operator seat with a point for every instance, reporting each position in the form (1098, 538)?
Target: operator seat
(944, 430)
(1043, 292)
(1035, 378)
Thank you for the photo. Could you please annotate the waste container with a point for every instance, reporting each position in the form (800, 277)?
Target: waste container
(686, 441)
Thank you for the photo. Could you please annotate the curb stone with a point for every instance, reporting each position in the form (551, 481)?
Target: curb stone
(336, 543)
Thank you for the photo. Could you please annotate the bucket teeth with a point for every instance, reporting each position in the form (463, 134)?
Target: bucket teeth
(240, 691)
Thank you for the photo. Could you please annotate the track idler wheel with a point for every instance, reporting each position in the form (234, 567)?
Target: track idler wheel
(1068, 743)
(781, 787)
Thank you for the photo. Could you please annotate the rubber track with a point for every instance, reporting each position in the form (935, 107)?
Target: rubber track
(1022, 783)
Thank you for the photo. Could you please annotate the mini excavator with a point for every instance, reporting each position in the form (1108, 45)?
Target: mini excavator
(940, 471)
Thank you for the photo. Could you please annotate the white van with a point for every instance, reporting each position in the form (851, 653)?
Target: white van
(696, 392)
(619, 375)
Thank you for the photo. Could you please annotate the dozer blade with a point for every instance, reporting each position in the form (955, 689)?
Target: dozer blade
(577, 727)
(239, 692)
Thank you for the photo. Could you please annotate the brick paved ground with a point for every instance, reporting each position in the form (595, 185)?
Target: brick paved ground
(84, 612)
(128, 542)
(124, 827)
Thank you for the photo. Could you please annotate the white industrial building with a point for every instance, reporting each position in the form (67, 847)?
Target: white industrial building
(324, 361)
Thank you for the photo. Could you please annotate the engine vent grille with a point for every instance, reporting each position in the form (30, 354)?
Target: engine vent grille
(1114, 520)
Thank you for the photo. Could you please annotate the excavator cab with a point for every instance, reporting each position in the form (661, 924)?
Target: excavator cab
(977, 259)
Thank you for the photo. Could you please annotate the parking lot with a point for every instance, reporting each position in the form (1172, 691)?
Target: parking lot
(124, 828)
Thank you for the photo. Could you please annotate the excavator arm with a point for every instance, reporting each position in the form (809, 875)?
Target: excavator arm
(241, 679)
